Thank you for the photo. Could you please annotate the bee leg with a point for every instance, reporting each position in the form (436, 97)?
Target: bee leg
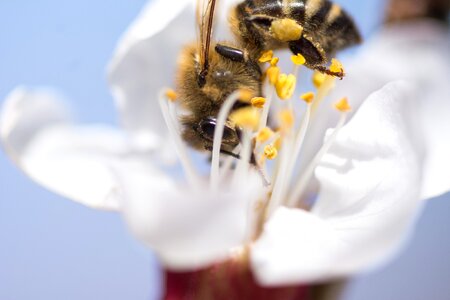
(252, 162)
(325, 70)
(229, 153)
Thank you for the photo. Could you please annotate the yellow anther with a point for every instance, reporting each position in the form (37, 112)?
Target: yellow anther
(336, 66)
(278, 143)
(258, 102)
(245, 95)
(246, 117)
(286, 118)
(285, 86)
(318, 79)
(286, 30)
(273, 73)
(298, 59)
(266, 56)
(308, 97)
(343, 105)
(270, 152)
(171, 95)
(264, 135)
(274, 61)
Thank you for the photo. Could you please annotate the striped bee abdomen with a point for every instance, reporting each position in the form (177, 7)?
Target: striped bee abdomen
(326, 28)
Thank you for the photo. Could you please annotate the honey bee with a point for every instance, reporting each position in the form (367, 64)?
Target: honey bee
(212, 71)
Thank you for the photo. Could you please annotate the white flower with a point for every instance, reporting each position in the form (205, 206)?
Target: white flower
(370, 171)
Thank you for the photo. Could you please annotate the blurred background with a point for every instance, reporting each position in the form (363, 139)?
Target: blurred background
(52, 248)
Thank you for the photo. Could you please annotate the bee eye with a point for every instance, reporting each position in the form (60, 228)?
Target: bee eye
(207, 128)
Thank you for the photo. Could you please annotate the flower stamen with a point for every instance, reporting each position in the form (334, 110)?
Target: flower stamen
(285, 86)
(218, 134)
(270, 152)
(305, 178)
(266, 56)
(180, 148)
(258, 102)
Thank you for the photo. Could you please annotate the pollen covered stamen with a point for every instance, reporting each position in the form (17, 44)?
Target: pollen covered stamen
(264, 135)
(298, 59)
(285, 86)
(308, 97)
(287, 119)
(246, 95)
(171, 95)
(274, 61)
(270, 152)
(343, 105)
(336, 66)
(273, 72)
(258, 102)
(318, 79)
(266, 56)
(246, 117)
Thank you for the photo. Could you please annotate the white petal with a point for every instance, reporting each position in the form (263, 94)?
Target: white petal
(188, 228)
(71, 161)
(370, 185)
(145, 62)
(417, 52)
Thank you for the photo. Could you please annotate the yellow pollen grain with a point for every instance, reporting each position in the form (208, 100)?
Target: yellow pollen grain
(286, 30)
(273, 73)
(285, 86)
(246, 117)
(336, 66)
(171, 95)
(258, 102)
(264, 135)
(298, 59)
(286, 118)
(266, 56)
(245, 95)
(343, 105)
(274, 61)
(308, 97)
(318, 79)
(278, 143)
(270, 152)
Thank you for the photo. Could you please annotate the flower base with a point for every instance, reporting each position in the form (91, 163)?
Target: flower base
(225, 281)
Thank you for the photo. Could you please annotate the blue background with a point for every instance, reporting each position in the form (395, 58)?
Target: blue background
(52, 248)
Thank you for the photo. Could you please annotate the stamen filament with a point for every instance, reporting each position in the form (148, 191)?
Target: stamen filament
(180, 148)
(279, 179)
(299, 139)
(266, 109)
(243, 165)
(323, 91)
(306, 176)
(218, 134)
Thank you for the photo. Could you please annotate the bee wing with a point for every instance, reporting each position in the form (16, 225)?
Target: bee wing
(205, 19)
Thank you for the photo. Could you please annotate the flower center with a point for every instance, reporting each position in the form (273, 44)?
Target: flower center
(274, 150)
